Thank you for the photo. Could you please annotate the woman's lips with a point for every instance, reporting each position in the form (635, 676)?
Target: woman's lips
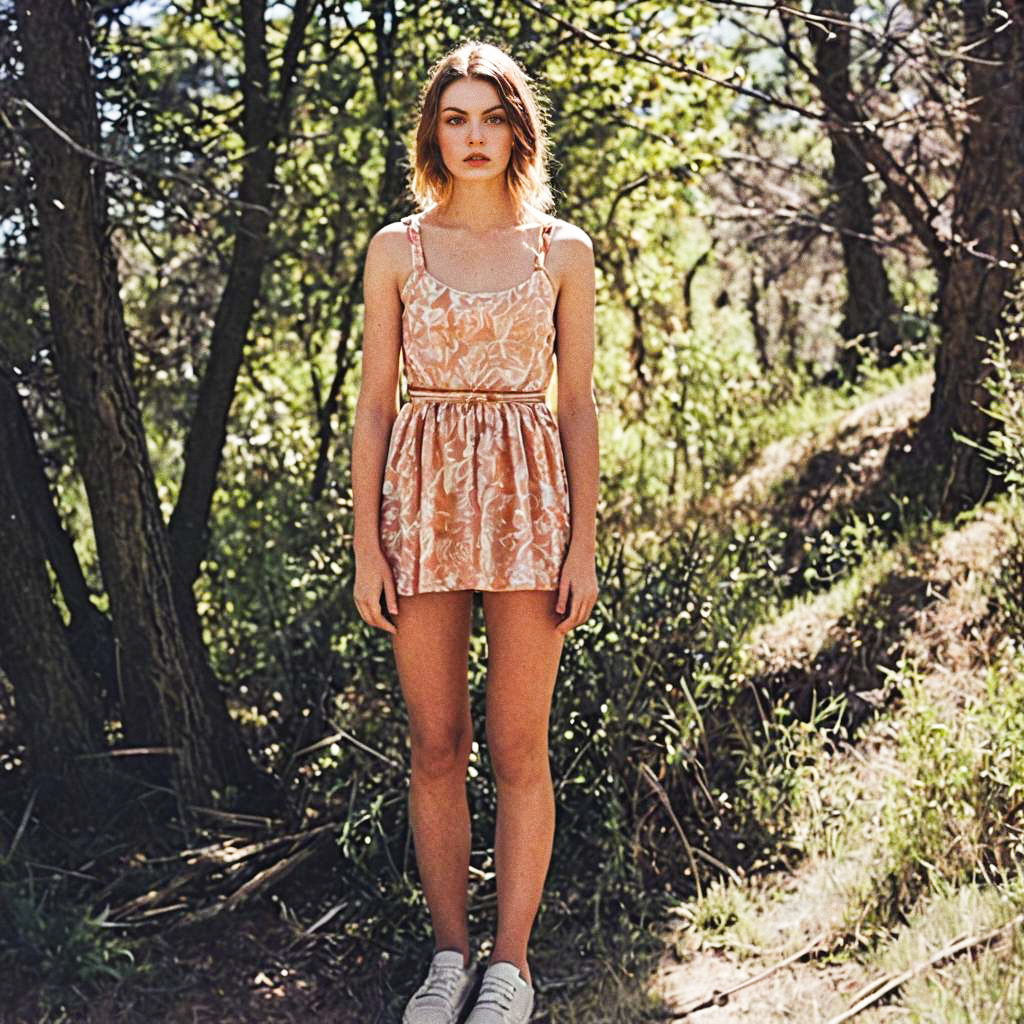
(477, 160)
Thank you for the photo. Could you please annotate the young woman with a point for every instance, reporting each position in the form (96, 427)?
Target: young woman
(475, 485)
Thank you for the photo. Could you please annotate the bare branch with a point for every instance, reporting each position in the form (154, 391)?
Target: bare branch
(137, 171)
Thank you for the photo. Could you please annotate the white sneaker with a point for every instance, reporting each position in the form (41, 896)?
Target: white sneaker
(440, 999)
(506, 997)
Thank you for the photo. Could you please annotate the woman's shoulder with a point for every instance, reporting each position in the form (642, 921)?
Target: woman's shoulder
(570, 247)
(570, 251)
(391, 233)
(390, 244)
(566, 235)
(389, 255)
(572, 233)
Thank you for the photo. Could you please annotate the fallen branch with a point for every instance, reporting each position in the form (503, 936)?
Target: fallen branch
(691, 851)
(26, 814)
(213, 873)
(274, 873)
(886, 985)
(235, 818)
(721, 996)
(659, 790)
(341, 734)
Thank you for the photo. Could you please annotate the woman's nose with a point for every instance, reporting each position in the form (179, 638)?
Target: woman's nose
(476, 132)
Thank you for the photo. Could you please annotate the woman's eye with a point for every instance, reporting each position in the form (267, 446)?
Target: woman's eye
(454, 119)
(496, 119)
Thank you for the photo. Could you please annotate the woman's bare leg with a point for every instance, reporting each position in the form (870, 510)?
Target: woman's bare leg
(431, 649)
(524, 651)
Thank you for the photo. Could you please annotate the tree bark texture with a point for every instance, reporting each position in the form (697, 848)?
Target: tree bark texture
(58, 710)
(987, 236)
(89, 631)
(162, 669)
(869, 312)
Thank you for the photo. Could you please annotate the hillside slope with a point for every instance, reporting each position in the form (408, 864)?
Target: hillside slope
(908, 819)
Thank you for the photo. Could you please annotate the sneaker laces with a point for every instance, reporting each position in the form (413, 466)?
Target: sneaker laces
(441, 983)
(498, 992)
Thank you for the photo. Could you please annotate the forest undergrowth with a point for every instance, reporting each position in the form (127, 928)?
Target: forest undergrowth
(709, 725)
(905, 901)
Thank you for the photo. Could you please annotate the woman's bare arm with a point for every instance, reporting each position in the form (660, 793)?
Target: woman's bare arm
(572, 267)
(376, 409)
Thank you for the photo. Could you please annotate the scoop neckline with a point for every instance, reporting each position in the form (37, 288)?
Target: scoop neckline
(414, 220)
(496, 291)
(423, 272)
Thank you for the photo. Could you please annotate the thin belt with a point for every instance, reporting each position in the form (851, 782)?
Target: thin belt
(473, 395)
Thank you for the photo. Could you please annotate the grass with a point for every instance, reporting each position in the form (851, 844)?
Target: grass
(983, 989)
(51, 936)
(948, 816)
(902, 818)
(890, 833)
(910, 828)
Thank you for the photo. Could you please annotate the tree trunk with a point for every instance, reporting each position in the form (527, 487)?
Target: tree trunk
(58, 712)
(162, 668)
(869, 313)
(89, 631)
(343, 362)
(987, 237)
(262, 123)
(757, 326)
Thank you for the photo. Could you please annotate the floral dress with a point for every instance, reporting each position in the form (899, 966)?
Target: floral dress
(475, 493)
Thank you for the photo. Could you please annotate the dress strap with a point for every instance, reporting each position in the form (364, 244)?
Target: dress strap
(545, 243)
(412, 231)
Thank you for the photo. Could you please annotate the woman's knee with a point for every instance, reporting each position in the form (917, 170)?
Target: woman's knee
(440, 751)
(518, 756)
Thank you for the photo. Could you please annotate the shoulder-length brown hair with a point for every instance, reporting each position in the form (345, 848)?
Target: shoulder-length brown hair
(527, 172)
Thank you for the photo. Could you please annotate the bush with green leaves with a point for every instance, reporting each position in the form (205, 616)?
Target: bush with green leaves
(650, 747)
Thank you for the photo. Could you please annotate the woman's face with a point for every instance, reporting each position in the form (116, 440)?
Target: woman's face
(473, 132)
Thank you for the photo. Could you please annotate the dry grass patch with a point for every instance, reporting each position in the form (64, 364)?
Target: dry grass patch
(845, 823)
(857, 439)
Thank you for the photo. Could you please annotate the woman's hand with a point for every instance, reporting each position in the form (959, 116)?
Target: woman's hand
(578, 578)
(373, 574)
